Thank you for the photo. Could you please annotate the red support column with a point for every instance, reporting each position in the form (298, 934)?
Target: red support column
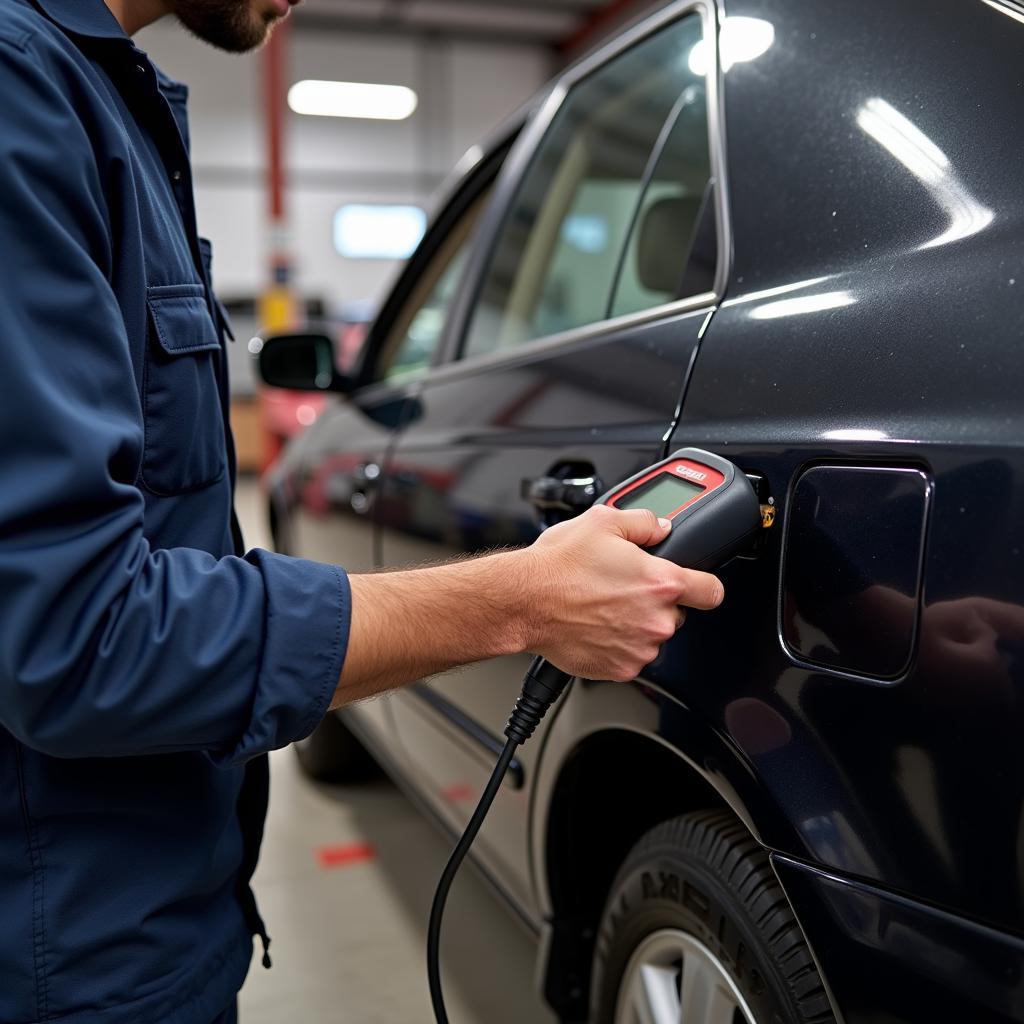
(274, 59)
(278, 309)
(277, 306)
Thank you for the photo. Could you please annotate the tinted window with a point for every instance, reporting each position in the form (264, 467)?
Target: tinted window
(663, 231)
(410, 345)
(558, 258)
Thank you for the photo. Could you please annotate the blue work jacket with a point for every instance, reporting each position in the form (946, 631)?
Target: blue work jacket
(145, 666)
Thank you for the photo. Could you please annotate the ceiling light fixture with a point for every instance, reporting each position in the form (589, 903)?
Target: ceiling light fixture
(352, 99)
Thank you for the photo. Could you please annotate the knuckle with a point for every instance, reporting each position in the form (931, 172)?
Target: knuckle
(661, 583)
(655, 630)
(666, 584)
(661, 628)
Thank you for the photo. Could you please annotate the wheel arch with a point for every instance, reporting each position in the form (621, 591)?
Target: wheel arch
(606, 777)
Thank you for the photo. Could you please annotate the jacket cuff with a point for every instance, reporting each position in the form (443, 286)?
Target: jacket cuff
(307, 614)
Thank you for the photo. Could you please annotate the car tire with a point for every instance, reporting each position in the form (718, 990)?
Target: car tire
(331, 753)
(695, 921)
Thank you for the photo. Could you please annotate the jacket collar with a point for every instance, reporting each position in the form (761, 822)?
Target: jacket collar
(83, 18)
(93, 19)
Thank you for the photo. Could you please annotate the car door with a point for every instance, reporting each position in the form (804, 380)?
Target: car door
(595, 272)
(333, 472)
(323, 489)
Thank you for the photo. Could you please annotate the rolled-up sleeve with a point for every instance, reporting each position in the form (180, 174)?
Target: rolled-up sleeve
(299, 617)
(108, 646)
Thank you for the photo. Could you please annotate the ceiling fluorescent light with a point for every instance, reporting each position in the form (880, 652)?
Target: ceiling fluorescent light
(352, 99)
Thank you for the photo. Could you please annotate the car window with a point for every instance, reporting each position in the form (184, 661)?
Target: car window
(416, 332)
(557, 260)
(663, 231)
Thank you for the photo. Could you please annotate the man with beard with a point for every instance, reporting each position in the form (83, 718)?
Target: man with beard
(147, 664)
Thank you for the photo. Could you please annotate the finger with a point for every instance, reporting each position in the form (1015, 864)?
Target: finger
(680, 618)
(699, 589)
(639, 525)
(1006, 619)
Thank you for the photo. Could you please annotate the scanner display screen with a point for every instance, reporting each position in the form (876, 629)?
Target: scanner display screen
(662, 495)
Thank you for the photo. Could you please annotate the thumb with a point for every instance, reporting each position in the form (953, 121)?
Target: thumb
(641, 526)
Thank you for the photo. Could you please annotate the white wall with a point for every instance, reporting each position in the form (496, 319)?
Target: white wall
(465, 91)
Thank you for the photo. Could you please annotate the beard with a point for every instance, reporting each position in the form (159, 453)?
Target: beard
(231, 25)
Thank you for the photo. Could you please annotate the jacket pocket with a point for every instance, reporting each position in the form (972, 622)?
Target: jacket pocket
(185, 448)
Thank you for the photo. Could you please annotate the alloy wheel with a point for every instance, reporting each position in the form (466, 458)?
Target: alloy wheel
(672, 978)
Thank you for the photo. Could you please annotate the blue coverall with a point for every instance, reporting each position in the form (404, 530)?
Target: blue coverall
(145, 667)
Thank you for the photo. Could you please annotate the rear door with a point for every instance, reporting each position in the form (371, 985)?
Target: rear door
(596, 271)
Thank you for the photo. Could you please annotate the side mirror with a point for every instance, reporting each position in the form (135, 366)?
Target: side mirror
(300, 362)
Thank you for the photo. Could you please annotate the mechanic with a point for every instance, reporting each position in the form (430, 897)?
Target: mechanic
(146, 667)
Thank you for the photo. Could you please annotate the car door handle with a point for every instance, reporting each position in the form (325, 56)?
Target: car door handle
(367, 473)
(365, 479)
(568, 494)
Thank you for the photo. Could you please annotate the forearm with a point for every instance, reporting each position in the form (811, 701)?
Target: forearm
(583, 595)
(413, 624)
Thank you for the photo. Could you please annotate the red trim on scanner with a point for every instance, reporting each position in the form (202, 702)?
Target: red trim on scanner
(683, 469)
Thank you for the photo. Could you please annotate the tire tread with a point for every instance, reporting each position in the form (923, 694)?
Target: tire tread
(725, 847)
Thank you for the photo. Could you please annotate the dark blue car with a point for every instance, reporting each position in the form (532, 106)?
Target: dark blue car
(793, 234)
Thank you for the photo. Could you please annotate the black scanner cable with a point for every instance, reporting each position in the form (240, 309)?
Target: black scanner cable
(542, 686)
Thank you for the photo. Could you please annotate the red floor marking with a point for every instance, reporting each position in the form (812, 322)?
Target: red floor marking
(344, 854)
(459, 792)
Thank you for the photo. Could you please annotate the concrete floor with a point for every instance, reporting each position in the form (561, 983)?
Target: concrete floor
(349, 940)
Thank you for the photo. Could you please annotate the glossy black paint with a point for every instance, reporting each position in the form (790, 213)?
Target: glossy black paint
(899, 350)
(871, 323)
(894, 961)
(453, 485)
(851, 578)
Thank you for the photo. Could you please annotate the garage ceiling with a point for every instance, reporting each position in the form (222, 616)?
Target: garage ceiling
(554, 23)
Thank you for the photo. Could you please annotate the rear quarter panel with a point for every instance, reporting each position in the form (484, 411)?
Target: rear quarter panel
(874, 317)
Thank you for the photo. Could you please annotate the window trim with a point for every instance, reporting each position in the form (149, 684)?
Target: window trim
(453, 342)
(456, 237)
(456, 195)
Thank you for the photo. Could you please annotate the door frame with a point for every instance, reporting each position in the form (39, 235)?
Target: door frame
(520, 158)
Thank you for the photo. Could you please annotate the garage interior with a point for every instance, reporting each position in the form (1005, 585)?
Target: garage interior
(420, 286)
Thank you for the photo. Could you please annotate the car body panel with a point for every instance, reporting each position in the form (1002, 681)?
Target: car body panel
(896, 347)
(871, 305)
(923, 963)
(452, 486)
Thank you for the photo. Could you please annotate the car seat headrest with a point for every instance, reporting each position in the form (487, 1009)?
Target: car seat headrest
(664, 241)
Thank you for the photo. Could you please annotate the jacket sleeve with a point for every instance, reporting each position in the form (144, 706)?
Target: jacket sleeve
(107, 646)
